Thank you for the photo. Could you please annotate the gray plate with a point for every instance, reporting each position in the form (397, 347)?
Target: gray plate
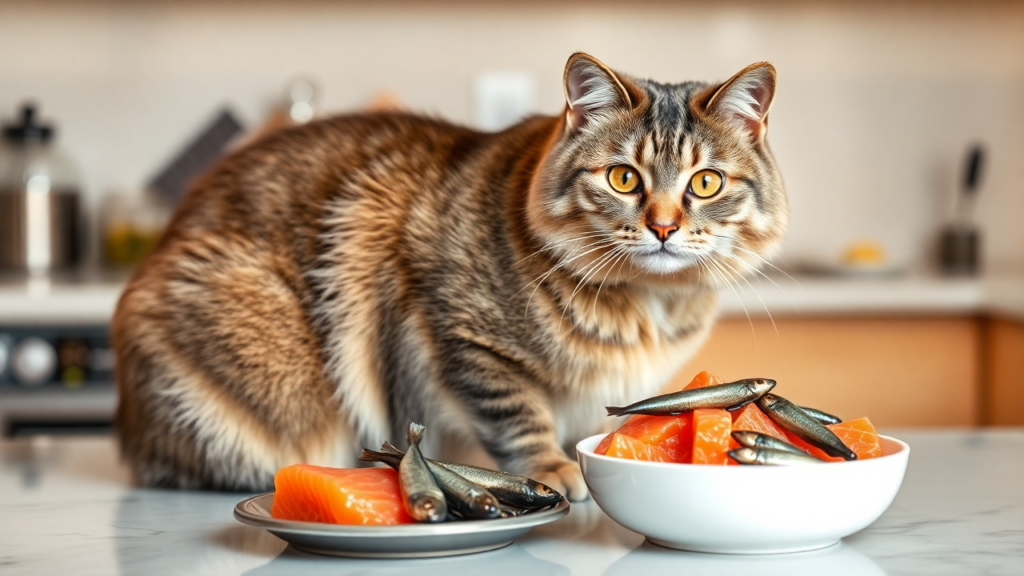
(402, 541)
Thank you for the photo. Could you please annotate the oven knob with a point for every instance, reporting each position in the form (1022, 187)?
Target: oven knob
(33, 362)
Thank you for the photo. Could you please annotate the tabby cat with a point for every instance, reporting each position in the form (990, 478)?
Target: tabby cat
(324, 286)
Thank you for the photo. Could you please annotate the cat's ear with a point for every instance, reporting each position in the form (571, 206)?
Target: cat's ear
(592, 91)
(746, 98)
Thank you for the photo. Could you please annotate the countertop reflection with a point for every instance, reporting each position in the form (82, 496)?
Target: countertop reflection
(67, 506)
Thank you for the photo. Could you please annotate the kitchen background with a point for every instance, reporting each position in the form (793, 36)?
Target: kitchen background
(877, 107)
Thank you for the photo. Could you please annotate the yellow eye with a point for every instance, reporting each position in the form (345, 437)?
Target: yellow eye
(624, 179)
(706, 183)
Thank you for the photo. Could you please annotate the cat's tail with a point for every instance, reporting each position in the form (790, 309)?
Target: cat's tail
(415, 433)
(615, 410)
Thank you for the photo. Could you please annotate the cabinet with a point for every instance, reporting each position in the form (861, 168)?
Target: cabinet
(913, 371)
(1003, 393)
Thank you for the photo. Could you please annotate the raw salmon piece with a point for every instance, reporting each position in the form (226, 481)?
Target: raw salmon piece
(623, 446)
(338, 495)
(860, 436)
(711, 428)
(752, 418)
(801, 444)
(704, 379)
(670, 433)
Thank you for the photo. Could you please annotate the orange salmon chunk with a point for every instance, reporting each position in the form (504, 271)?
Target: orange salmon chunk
(812, 450)
(623, 446)
(338, 495)
(670, 433)
(711, 438)
(703, 380)
(753, 419)
(860, 436)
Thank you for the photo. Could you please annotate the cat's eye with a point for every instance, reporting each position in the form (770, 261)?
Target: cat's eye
(706, 183)
(624, 179)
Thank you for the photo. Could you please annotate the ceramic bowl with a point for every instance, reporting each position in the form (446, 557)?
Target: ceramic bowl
(744, 509)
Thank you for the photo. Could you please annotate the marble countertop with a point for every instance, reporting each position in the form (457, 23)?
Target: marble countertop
(66, 507)
(92, 299)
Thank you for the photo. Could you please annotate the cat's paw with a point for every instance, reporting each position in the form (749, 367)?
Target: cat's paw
(565, 477)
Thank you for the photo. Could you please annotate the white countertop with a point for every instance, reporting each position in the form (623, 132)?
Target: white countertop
(66, 508)
(93, 301)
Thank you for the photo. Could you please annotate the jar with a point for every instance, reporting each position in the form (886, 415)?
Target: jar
(40, 205)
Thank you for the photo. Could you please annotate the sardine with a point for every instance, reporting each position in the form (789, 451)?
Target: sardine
(749, 439)
(823, 417)
(423, 499)
(730, 396)
(769, 457)
(517, 491)
(792, 418)
(468, 499)
(465, 499)
(512, 511)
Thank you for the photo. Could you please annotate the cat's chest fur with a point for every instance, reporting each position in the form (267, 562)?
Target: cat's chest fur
(624, 349)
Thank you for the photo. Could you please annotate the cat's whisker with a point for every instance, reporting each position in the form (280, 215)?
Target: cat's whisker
(561, 262)
(754, 290)
(594, 267)
(742, 305)
(735, 246)
(622, 254)
(556, 244)
(753, 268)
(540, 279)
(765, 276)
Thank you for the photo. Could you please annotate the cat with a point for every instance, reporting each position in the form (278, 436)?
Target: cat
(322, 287)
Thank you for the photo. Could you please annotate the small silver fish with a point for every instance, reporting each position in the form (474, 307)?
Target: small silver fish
(749, 439)
(465, 499)
(823, 417)
(769, 457)
(511, 511)
(423, 499)
(517, 491)
(792, 418)
(731, 396)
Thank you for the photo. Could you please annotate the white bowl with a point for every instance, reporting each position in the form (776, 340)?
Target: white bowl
(744, 509)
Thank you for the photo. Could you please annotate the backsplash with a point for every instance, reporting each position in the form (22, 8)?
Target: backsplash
(876, 107)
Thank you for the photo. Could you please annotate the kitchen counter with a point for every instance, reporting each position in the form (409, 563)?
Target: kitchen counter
(66, 507)
(94, 300)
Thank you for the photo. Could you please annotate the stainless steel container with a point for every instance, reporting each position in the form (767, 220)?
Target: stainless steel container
(40, 213)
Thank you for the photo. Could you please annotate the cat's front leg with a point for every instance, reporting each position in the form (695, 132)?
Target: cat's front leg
(513, 417)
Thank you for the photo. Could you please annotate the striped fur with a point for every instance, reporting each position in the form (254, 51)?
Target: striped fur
(324, 286)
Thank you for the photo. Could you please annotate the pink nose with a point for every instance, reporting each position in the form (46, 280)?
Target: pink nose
(663, 230)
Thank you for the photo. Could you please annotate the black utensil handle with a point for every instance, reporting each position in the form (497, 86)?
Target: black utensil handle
(975, 161)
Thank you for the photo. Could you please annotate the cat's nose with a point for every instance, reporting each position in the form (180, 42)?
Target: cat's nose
(663, 230)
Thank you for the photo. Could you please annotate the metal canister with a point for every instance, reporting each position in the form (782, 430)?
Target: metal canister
(40, 204)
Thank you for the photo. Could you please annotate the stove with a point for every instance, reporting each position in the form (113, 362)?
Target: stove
(56, 380)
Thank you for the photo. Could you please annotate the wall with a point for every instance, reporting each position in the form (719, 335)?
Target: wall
(876, 105)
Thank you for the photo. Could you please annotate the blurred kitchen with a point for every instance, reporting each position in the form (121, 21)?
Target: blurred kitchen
(899, 127)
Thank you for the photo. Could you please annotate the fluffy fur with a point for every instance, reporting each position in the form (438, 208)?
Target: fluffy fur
(324, 286)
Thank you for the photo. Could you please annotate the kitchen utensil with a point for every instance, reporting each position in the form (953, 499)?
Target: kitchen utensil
(959, 242)
(400, 541)
(198, 156)
(40, 221)
(744, 509)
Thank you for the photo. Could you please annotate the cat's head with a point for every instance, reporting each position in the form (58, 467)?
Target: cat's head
(660, 180)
